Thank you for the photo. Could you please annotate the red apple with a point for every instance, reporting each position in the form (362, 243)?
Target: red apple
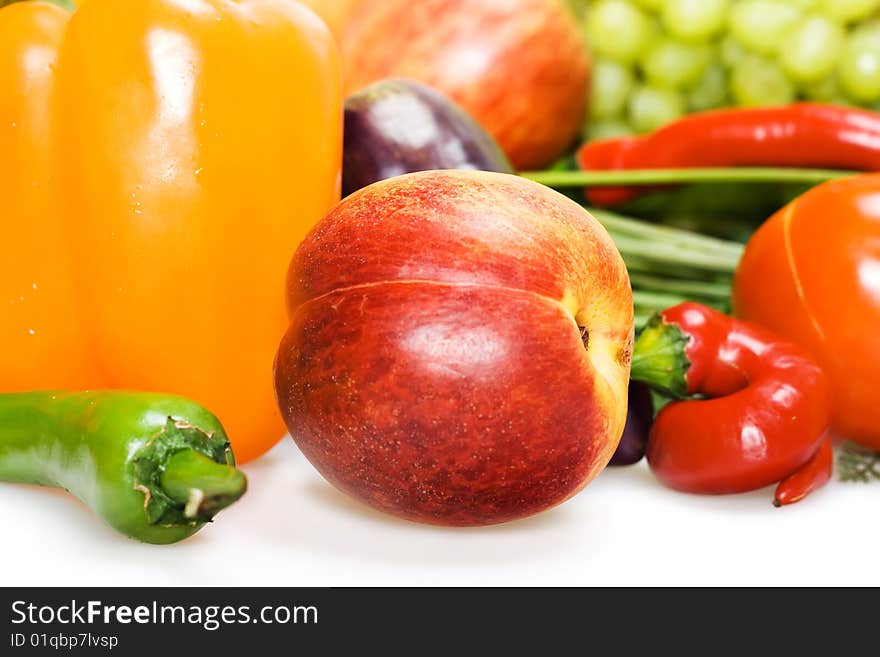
(519, 67)
(459, 347)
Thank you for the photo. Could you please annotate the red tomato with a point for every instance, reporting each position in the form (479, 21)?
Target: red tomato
(812, 273)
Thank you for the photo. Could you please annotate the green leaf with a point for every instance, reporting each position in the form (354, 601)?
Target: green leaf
(857, 464)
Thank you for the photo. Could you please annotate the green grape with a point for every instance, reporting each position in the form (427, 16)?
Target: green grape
(609, 129)
(809, 50)
(711, 91)
(869, 30)
(650, 5)
(658, 59)
(859, 69)
(760, 24)
(731, 51)
(650, 108)
(576, 7)
(757, 81)
(802, 5)
(612, 83)
(618, 30)
(694, 20)
(672, 64)
(825, 90)
(848, 11)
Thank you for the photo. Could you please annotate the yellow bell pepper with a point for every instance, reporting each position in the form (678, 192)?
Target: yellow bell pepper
(161, 161)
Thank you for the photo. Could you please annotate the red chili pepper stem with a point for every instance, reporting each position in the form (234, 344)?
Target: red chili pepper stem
(659, 359)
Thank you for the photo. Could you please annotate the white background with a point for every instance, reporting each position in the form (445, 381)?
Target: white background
(292, 528)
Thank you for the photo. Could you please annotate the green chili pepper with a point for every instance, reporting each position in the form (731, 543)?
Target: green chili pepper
(154, 467)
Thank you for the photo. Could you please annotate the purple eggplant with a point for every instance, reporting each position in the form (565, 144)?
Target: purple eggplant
(394, 127)
(639, 418)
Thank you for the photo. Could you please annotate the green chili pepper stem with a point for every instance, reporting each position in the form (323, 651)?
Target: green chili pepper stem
(201, 484)
(632, 177)
(113, 450)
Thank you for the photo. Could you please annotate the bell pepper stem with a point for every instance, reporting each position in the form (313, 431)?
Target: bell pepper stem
(201, 484)
(659, 358)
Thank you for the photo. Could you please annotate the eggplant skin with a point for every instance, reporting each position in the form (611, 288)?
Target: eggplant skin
(394, 127)
(639, 419)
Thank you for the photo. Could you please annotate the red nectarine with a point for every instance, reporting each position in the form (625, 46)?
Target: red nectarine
(519, 67)
(459, 347)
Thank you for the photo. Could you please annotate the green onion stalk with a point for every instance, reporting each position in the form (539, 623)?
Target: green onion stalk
(670, 265)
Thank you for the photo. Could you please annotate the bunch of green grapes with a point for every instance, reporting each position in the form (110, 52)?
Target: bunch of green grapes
(655, 60)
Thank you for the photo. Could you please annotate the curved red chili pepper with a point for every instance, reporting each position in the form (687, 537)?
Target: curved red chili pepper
(800, 135)
(762, 406)
(814, 474)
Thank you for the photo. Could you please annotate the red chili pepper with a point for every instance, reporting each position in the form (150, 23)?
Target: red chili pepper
(807, 135)
(814, 474)
(755, 409)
